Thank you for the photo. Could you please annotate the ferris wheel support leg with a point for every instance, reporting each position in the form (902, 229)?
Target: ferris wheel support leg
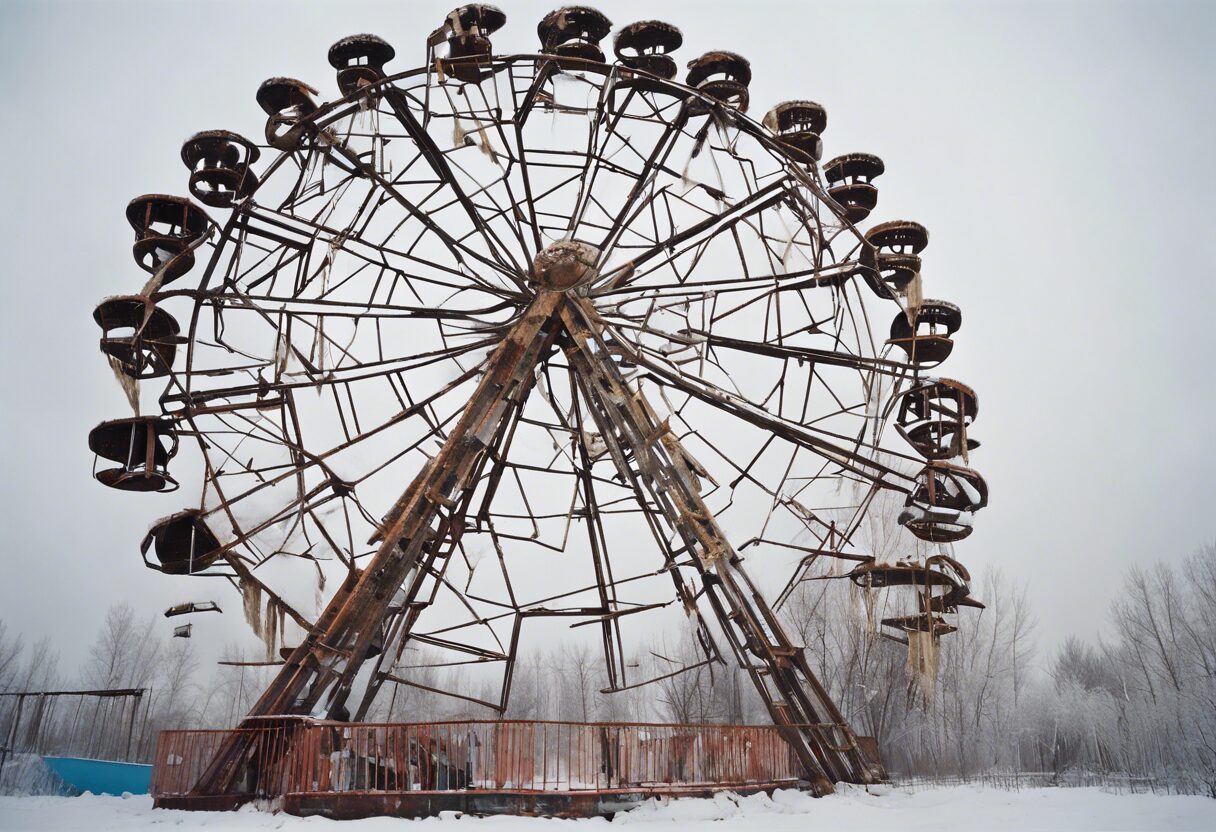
(325, 664)
(797, 701)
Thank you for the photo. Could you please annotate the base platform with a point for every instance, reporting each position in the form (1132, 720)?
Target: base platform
(557, 769)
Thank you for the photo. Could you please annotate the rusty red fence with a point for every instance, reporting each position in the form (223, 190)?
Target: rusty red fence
(486, 756)
(270, 768)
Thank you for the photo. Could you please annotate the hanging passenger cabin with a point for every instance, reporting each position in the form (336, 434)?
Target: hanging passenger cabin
(924, 622)
(467, 33)
(936, 573)
(141, 338)
(359, 60)
(892, 259)
(182, 544)
(646, 46)
(721, 76)
(142, 446)
(574, 32)
(219, 163)
(850, 181)
(930, 342)
(286, 102)
(191, 607)
(939, 509)
(799, 126)
(934, 418)
(165, 228)
(873, 575)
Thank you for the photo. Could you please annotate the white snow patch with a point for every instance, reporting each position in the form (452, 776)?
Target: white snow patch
(851, 808)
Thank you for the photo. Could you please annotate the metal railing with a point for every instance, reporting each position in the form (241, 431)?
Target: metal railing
(270, 767)
(494, 756)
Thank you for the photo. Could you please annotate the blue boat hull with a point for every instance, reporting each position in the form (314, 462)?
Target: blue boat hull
(101, 776)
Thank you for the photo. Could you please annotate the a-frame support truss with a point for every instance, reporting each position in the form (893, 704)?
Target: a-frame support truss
(425, 526)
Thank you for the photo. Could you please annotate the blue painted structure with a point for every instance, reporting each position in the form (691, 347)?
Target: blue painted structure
(101, 776)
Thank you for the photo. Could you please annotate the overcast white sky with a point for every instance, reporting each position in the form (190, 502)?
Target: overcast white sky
(1059, 153)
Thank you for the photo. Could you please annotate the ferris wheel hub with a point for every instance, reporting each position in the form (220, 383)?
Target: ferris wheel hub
(565, 264)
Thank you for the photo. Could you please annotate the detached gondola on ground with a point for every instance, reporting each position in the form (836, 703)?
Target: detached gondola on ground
(509, 340)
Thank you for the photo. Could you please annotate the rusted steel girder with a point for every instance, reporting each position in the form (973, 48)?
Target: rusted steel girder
(648, 455)
(684, 249)
(327, 661)
(429, 518)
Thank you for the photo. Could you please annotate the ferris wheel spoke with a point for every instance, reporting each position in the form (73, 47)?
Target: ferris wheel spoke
(691, 237)
(692, 336)
(657, 455)
(524, 101)
(319, 459)
(462, 252)
(708, 286)
(692, 339)
(602, 126)
(529, 196)
(506, 212)
(250, 396)
(371, 251)
(610, 630)
(586, 165)
(321, 307)
(737, 405)
(801, 434)
(439, 164)
(654, 163)
(306, 339)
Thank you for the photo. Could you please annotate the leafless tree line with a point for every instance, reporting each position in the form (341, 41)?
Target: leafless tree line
(128, 653)
(1139, 703)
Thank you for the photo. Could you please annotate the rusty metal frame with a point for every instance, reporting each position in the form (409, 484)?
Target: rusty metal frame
(345, 770)
(612, 293)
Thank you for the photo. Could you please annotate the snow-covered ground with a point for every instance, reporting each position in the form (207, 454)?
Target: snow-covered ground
(852, 809)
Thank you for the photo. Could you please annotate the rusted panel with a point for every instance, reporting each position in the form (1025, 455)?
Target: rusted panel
(353, 769)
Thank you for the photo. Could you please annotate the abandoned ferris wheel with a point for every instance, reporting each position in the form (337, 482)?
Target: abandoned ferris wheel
(512, 337)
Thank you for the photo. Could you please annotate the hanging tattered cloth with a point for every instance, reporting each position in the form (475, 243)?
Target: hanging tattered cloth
(922, 663)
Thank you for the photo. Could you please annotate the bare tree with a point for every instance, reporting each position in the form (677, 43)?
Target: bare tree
(11, 648)
(575, 667)
(126, 652)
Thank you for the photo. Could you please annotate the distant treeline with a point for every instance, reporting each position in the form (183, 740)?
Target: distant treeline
(1140, 704)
